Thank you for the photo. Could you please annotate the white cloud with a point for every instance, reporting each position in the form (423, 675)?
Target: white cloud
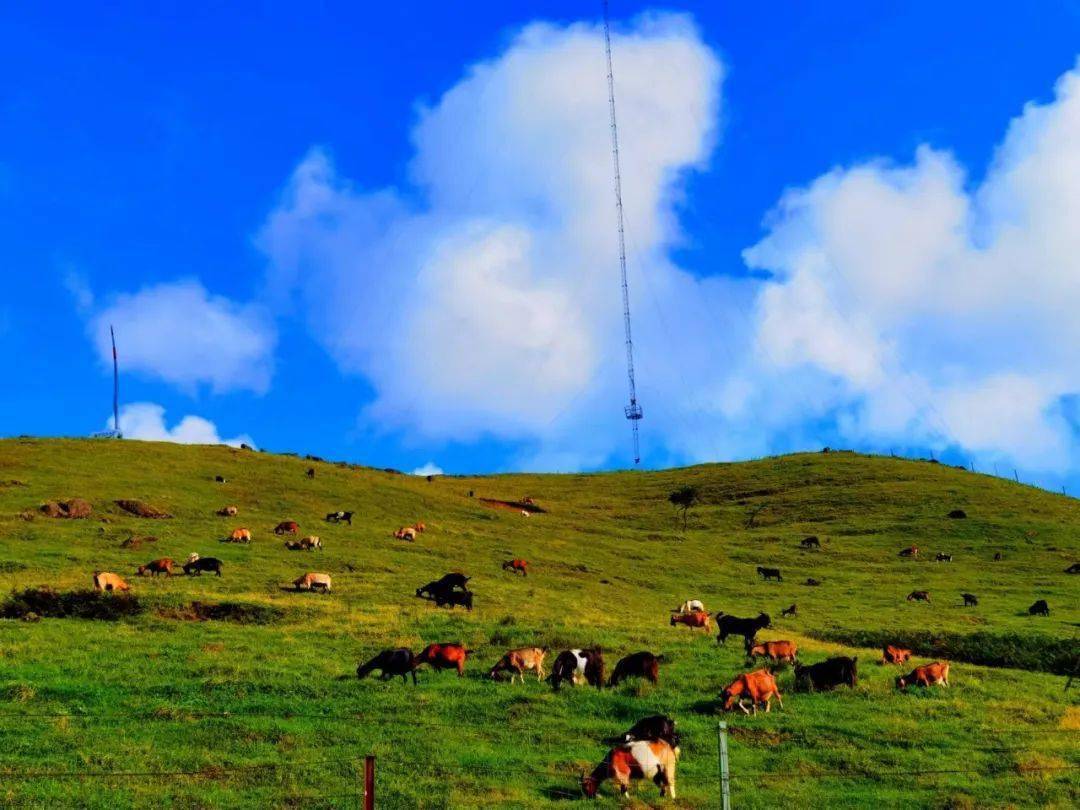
(185, 336)
(900, 306)
(146, 421)
(948, 314)
(431, 468)
(489, 305)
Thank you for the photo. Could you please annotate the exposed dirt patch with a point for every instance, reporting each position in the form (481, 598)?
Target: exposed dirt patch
(137, 541)
(517, 506)
(238, 612)
(143, 510)
(44, 601)
(74, 509)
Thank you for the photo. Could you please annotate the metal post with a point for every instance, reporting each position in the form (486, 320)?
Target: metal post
(369, 782)
(1016, 475)
(725, 775)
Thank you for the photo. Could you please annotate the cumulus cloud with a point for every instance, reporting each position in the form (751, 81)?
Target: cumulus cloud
(146, 421)
(431, 468)
(891, 304)
(182, 334)
(947, 313)
(483, 298)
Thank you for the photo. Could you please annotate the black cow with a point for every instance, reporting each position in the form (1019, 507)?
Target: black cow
(655, 727)
(219, 479)
(970, 600)
(919, 596)
(311, 472)
(569, 662)
(770, 573)
(811, 542)
(813, 583)
(997, 556)
(734, 626)
(943, 557)
(196, 567)
(1073, 569)
(827, 674)
(637, 665)
(1040, 608)
(338, 517)
(400, 661)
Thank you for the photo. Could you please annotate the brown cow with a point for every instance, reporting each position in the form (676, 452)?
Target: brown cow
(240, 536)
(155, 567)
(642, 759)
(287, 527)
(894, 655)
(517, 567)
(929, 675)
(444, 656)
(919, 596)
(775, 651)
(106, 581)
(759, 686)
(692, 620)
(518, 661)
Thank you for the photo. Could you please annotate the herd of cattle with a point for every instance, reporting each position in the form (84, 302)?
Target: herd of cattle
(650, 749)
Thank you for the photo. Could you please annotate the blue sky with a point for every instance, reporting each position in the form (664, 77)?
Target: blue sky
(324, 228)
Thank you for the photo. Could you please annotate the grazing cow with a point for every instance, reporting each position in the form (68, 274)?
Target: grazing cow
(929, 675)
(310, 543)
(406, 533)
(894, 655)
(313, 582)
(652, 759)
(811, 542)
(219, 479)
(228, 511)
(775, 651)
(734, 626)
(287, 527)
(339, 516)
(1040, 608)
(390, 663)
(197, 566)
(654, 727)
(637, 665)
(943, 557)
(790, 611)
(518, 662)
(970, 600)
(759, 686)
(444, 584)
(690, 606)
(692, 620)
(106, 581)
(997, 556)
(910, 551)
(517, 567)
(827, 674)
(813, 583)
(311, 472)
(770, 573)
(1073, 569)
(163, 565)
(577, 666)
(420, 527)
(240, 536)
(453, 598)
(444, 656)
(919, 596)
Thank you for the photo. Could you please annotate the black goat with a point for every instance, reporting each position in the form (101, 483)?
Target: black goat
(734, 626)
(827, 674)
(655, 727)
(770, 573)
(1040, 608)
(400, 661)
(452, 598)
(196, 567)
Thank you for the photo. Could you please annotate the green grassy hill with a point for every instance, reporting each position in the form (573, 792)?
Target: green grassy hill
(158, 709)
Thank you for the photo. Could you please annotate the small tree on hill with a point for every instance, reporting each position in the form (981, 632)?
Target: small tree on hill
(683, 499)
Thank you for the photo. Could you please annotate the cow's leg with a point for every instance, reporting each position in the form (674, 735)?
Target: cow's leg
(745, 711)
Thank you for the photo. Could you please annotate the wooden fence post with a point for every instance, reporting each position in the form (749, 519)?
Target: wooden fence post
(369, 782)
